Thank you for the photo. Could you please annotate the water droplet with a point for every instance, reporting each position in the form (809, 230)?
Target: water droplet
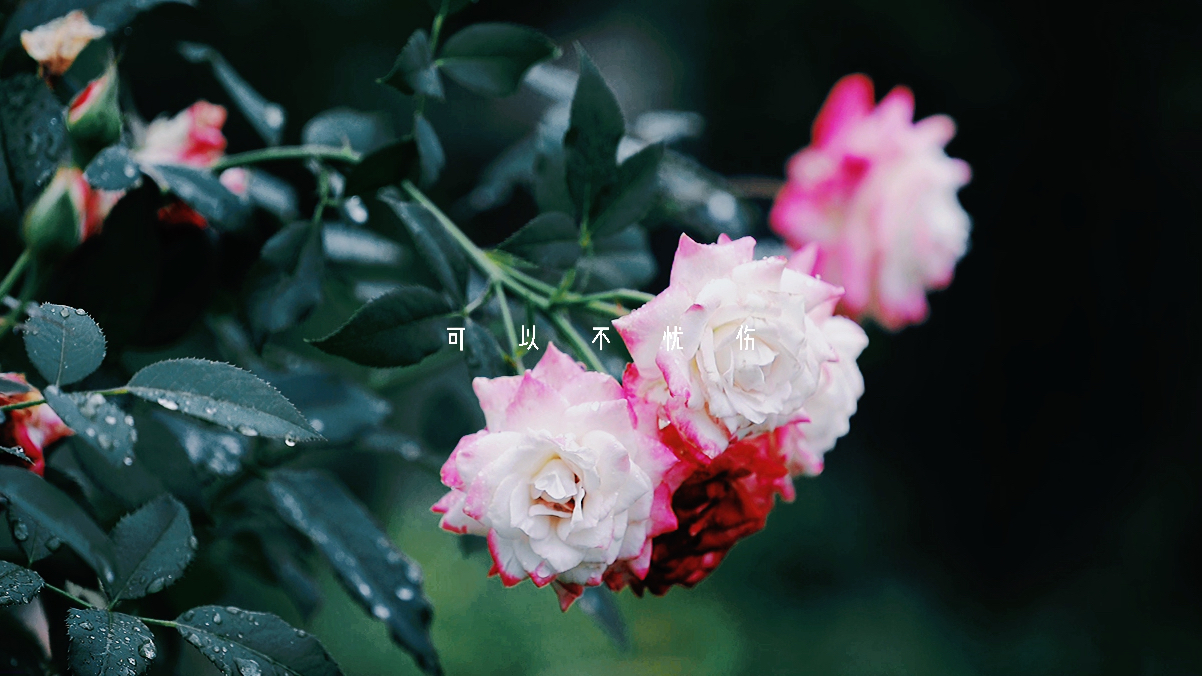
(128, 461)
(317, 424)
(301, 633)
(65, 313)
(404, 593)
(217, 618)
(110, 419)
(289, 441)
(147, 650)
(355, 210)
(194, 639)
(193, 542)
(273, 115)
(364, 589)
(105, 442)
(247, 667)
(248, 430)
(53, 544)
(129, 420)
(80, 312)
(130, 171)
(91, 432)
(168, 404)
(210, 410)
(20, 531)
(381, 612)
(156, 585)
(86, 626)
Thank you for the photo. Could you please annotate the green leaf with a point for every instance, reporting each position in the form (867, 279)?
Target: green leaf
(107, 643)
(113, 169)
(154, 545)
(492, 58)
(288, 284)
(429, 150)
(64, 343)
(550, 240)
(129, 486)
(397, 329)
(591, 142)
(338, 127)
(199, 189)
(244, 643)
(42, 518)
(382, 579)
(222, 394)
(600, 604)
(18, 584)
(385, 166)
(439, 252)
(217, 453)
(621, 261)
(482, 352)
(631, 196)
(35, 132)
(415, 71)
(17, 453)
(12, 386)
(266, 117)
(452, 6)
(98, 422)
(339, 408)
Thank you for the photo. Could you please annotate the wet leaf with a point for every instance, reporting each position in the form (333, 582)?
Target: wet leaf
(439, 252)
(201, 190)
(113, 169)
(244, 643)
(492, 58)
(107, 643)
(591, 142)
(64, 343)
(18, 584)
(397, 329)
(154, 545)
(98, 422)
(289, 281)
(385, 582)
(222, 394)
(335, 406)
(35, 133)
(16, 452)
(42, 517)
(338, 127)
(631, 196)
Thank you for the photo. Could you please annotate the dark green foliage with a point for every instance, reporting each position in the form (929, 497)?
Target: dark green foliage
(384, 166)
(631, 195)
(64, 343)
(396, 329)
(591, 142)
(222, 394)
(363, 132)
(600, 605)
(492, 58)
(382, 579)
(113, 169)
(108, 644)
(440, 254)
(35, 129)
(200, 189)
(16, 452)
(429, 150)
(482, 352)
(414, 71)
(550, 240)
(97, 421)
(154, 545)
(17, 584)
(288, 284)
(341, 409)
(244, 643)
(42, 518)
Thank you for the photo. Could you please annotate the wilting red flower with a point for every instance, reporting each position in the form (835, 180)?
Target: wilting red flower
(716, 506)
(33, 428)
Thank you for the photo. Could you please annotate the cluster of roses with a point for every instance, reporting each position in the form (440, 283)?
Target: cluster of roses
(580, 481)
(70, 209)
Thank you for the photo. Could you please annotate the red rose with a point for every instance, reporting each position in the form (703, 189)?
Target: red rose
(716, 506)
(33, 428)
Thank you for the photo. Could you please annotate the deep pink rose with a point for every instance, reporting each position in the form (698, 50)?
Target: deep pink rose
(876, 192)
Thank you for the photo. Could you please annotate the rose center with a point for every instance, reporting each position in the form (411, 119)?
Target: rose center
(555, 488)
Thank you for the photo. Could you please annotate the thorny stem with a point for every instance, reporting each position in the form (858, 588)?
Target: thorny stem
(288, 153)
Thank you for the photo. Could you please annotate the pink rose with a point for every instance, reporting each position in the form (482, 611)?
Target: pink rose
(876, 192)
(561, 481)
(56, 44)
(193, 137)
(33, 428)
(731, 348)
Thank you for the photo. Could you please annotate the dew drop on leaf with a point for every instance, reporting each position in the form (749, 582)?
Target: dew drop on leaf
(248, 431)
(21, 532)
(168, 404)
(248, 667)
(147, 650)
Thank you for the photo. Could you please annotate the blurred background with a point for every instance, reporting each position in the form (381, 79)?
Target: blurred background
(1019, 491)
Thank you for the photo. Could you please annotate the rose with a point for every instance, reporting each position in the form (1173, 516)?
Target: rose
(33, 428)
(192, 137)
(750, 353)
(561, 481)
(68, 211)
(876, 192)
(56, 44)
(94, 117)
(718, 504)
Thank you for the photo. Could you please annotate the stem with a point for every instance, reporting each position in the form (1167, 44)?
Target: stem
(21, 405)
(435, 29)
(161, 623)
(564, 326)
(287, 153)
(68, 595)
(116, 391)
(15, 273)
(509, 334)
(479, 258)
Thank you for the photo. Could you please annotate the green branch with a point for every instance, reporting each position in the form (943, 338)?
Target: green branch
(288, 153)
(20, 405)
(15, 272)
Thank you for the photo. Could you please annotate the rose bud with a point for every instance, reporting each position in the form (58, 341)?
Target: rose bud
(94, 117)
(66, 213)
